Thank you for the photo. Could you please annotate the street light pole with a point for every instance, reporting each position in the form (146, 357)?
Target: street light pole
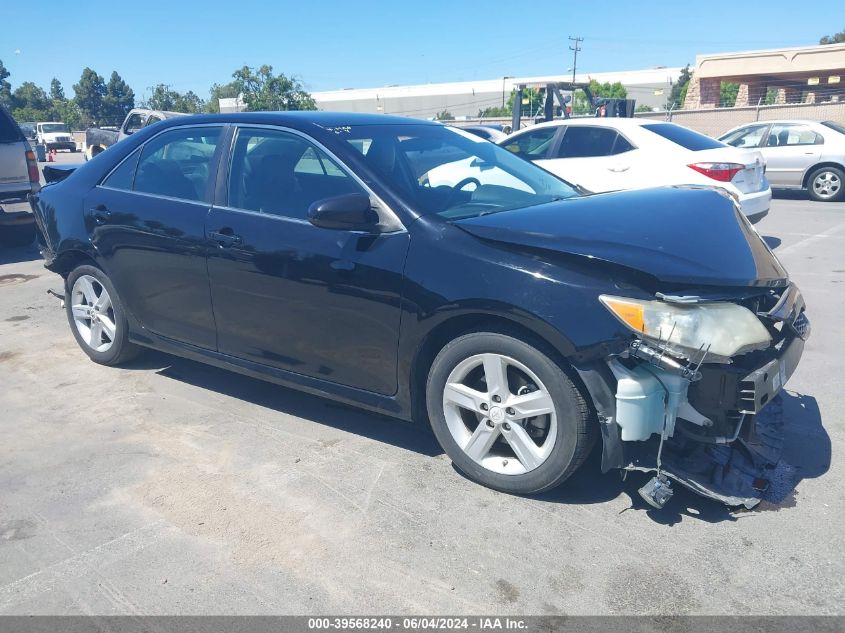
(503, 89)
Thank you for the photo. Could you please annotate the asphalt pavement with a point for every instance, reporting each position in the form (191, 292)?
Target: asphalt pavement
(171, 487)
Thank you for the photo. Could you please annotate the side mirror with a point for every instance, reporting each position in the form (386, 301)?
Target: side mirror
(347, 212)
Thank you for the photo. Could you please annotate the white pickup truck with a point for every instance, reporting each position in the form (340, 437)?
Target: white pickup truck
(54, 135)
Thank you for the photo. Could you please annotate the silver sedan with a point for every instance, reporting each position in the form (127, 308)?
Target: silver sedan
(799, 154)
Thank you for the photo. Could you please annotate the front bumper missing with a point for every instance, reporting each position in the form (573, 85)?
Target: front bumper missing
(736, 474)
(735, 468)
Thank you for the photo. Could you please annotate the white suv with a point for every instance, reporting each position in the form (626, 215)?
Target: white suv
(616, 153)
(18, 178)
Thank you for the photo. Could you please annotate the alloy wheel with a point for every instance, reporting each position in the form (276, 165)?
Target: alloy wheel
(93, 313)
(827, 184)
(500, 414)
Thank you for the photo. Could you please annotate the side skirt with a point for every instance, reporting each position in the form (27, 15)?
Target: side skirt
(378, 403)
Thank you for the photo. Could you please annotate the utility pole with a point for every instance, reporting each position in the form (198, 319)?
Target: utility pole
(575, 50)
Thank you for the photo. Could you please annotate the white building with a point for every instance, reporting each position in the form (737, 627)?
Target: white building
(465, 98)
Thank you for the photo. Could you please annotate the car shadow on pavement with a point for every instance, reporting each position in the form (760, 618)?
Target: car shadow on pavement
(771, 242)
(17, 254)
(806, 455)
(806, 452)
(381, 428)
(790, 194)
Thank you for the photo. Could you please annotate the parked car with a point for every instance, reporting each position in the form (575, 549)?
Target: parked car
(98, 139)
(18, 178)
(55, 135)
(29, 131)
(799, 154)
(309, 249)
(488, 133)
(619, 153)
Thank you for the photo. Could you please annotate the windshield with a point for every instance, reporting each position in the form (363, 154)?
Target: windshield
(683, 136)
(833, 125)
(52, 128)
(443, 171)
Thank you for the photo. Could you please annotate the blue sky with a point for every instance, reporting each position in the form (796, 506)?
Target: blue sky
(336, 44)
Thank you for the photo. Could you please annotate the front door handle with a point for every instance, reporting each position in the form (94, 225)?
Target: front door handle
(618, 168)
(101, 214)
(225, 238)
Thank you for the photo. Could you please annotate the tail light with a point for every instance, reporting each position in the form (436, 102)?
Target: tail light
(32, 167)
(723, 172)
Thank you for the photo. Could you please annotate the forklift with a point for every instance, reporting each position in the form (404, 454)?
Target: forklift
(601, 106)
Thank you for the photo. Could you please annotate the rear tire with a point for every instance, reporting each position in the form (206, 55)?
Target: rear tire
(827, 184)
(97, 317)
(506, 414)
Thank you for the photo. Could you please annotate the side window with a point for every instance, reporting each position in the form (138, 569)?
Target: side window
(785, 134)
(123, 175)
(749, 136)
(582, 141)
(534, 144)
(176, 163)
(153, 119)
(279, 173)
(134, 123)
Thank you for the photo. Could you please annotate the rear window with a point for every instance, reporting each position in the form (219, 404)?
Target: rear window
(683, 136)
(9, 131)
(833, 125)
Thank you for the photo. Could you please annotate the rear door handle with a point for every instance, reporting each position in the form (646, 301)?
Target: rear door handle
(225, 238)
(619, 168)
(101, 214)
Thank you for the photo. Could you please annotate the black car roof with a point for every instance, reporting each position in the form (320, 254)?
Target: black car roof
(298, 119)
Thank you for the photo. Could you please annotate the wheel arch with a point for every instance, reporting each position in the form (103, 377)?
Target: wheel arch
(66, 261)
(541, 335)
(805, 181)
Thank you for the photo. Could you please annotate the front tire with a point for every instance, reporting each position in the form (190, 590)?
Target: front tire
(506, 414)
(97, 317)
(827, 184)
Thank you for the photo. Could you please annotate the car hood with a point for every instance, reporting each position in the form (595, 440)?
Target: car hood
(684, 235)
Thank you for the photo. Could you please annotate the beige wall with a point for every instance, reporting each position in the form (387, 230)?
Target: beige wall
(715, 122)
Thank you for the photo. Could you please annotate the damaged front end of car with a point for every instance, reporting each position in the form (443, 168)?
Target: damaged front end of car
(690, 398)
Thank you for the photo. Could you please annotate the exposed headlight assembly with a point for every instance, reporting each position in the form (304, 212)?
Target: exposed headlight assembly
(723, 329)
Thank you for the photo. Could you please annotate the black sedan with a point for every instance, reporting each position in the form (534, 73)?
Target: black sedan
(415, 270)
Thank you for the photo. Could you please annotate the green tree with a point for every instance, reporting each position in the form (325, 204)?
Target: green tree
(836, 38)
(5, 86)
(90, 92)
(28, 95)
(189, 103)
(164, 98)
(118, 100)
(606, 90)
(161, 98)
(31, 103)
(495, 111)
(217, 92)
(445, 115)
(532, 101)
(69, 113)
(643, 108)
(727, 94)
(262, 90)
(57, 93)
(678, 94)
